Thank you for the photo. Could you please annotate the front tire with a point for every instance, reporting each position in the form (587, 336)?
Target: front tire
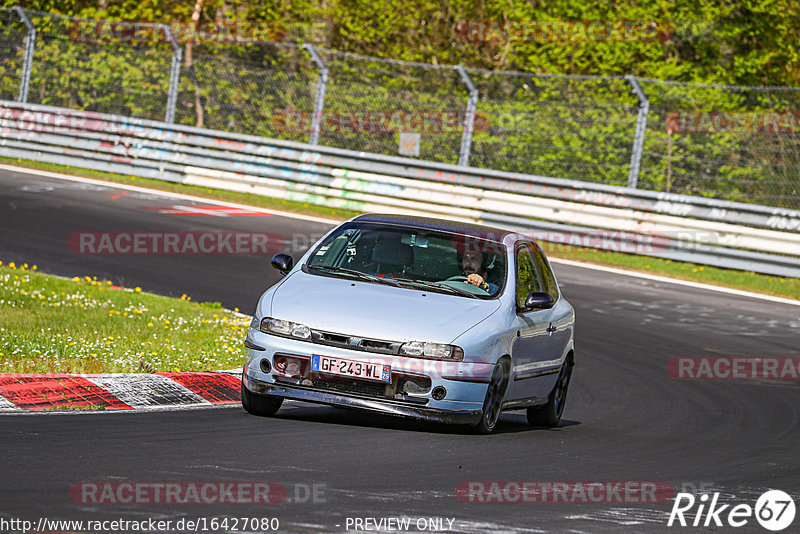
(549, 415)
(260, 404)
(493, 404)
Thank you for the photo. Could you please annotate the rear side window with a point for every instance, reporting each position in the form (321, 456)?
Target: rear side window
(546, 273)
(527, 277)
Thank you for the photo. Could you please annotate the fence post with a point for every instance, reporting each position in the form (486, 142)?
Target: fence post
(638, 137)
(319, 97)
(174, 75)
(469, 119)
(30, 40)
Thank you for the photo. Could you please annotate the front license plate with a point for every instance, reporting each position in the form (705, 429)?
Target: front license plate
(356, 369)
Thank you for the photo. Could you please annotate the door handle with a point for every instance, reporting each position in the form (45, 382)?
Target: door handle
(552, 328)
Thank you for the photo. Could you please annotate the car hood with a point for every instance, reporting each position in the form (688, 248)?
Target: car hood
(375, 310)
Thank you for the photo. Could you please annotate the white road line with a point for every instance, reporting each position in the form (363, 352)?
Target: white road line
(168, 194)
(584, 265)
(664, 279)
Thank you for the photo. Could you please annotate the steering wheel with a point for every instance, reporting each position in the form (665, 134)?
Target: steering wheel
(457, 278)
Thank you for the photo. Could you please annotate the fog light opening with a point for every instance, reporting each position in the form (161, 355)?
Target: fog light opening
(265, 366)
(438, 393)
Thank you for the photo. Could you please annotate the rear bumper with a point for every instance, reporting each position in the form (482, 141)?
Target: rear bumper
(388, 407)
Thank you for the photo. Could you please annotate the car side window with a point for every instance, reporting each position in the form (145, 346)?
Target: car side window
(546, 273)
(527, 277)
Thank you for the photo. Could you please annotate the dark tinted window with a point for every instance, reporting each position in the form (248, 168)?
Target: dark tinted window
(527, 277)
(403, 253)
(545, 273)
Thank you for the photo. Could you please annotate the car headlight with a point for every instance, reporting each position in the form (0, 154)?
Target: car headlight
(434, 351)
(270, 325)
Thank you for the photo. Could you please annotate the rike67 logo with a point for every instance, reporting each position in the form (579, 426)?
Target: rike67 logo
(774, 510)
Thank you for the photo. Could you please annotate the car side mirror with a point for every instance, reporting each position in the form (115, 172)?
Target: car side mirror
(538, 300)
(282, 262)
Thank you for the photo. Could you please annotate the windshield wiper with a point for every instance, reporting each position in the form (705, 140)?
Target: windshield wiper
(438, 285)
(353, 272)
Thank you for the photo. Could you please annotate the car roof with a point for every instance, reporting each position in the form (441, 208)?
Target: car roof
(431, 223)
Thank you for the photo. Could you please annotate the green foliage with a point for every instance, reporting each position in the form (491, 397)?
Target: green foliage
(566, 127)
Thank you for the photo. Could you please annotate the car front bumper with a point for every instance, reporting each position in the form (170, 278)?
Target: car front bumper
(296, 392)
(465, 382)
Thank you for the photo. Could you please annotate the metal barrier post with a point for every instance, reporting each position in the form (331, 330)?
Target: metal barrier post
(30, 40)
(469, 119)
(641, 126)
(174, 75)
(319, 98)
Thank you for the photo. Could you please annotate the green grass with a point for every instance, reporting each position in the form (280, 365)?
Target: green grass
(83, 325)
(771, 285)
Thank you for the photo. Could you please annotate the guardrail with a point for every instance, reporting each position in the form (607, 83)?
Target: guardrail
(684, 228)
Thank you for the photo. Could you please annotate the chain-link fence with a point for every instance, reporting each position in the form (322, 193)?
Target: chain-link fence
(737, 143)
(256, 89)
(578, 127)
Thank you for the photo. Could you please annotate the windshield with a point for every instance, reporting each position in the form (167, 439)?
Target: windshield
(457, 264)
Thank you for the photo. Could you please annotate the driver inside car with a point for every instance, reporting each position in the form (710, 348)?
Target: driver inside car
(474, 267)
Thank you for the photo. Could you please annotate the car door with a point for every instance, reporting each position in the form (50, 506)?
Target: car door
(532, 348)
(562, 317)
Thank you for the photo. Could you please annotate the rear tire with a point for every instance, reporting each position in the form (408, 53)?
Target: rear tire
(493, 404)
(260, 404)
(549, 415)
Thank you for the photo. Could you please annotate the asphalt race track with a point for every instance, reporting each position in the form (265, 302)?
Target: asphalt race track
(626, 419)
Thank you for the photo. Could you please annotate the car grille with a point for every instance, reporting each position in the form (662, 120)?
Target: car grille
(357, 387)
(345, 341)
(397, 390)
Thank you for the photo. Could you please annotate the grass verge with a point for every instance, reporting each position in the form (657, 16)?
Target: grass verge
(748, 281)
(83, 325)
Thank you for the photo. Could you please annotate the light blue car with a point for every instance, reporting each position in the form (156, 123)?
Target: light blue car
(415, 317)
